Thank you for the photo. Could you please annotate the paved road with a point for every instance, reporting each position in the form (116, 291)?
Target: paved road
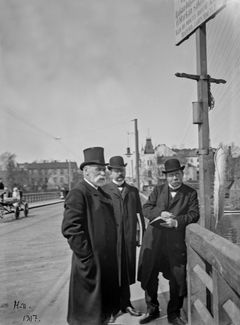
(34, 271)
(34, 257)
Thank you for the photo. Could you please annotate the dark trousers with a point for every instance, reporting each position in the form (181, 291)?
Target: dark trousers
(175, 303)
(125, 297)
(125, 286)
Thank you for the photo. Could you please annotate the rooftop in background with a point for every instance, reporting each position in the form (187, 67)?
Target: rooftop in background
(49, 165)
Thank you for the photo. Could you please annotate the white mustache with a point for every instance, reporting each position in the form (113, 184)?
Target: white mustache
(101, 178)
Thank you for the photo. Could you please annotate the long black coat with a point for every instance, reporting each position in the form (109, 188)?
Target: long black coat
(170, 241)
(126, 206)
(90, 229)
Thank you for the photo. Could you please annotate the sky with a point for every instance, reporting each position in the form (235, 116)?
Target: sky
(75, 73)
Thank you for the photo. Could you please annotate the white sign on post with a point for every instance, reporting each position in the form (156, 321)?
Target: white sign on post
(190, 14)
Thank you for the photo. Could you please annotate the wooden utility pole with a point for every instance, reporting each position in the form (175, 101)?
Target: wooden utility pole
(191, 17)
(200, 117)
(137, 153)
(203, 128)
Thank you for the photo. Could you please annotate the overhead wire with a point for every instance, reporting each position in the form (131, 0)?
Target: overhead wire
(223, 60)
(20, 118)
(13, 114)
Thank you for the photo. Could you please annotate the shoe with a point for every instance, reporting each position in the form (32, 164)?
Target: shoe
(111, 320)
(132, 311)
(148, 317)
(176, 321)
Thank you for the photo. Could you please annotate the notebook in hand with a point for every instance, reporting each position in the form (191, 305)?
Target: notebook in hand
(157, 222)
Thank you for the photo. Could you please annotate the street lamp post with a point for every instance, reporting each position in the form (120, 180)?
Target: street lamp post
(128, 154)
(69, 174)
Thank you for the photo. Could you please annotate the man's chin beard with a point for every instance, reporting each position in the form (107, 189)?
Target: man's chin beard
(120, 182)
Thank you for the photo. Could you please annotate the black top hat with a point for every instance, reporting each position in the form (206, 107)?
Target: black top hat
(116, 162)
(93, 156)
(171, 165)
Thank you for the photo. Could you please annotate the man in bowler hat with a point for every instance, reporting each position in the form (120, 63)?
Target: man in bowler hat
(89, 226)
(163, 249)
(128, 213)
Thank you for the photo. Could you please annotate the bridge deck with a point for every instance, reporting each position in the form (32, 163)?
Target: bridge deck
(127, 319)
(56, 311)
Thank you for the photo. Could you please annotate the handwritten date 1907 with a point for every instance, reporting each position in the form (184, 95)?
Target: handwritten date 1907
(31, 318)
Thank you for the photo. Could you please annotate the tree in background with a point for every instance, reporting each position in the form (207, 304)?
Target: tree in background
(13, 176)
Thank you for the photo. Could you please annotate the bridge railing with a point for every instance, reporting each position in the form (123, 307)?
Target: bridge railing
(41, 196)
(213, 278)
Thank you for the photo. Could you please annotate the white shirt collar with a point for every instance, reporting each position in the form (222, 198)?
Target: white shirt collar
(86, 180)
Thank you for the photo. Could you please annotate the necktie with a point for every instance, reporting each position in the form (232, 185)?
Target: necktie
(173, 192)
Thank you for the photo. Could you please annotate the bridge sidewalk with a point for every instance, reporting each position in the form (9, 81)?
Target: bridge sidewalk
(54, 307)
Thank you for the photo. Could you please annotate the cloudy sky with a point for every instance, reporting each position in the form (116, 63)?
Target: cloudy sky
(75, 73)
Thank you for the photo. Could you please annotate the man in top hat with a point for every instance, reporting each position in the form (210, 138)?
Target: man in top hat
(90, 228)
(128, 213)
(163, 249)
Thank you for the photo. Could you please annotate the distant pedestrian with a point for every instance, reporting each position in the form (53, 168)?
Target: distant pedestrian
(1, 189)
(16, 194)
(164, 248)
(1, 184)
(128, 213)
(90, 229)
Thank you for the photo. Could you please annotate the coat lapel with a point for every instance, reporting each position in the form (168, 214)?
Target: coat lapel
(101, 195)
(165, 196)
(177, 197)
(125, 191)
(114, 189)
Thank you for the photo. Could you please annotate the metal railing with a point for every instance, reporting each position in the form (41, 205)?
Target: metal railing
(41, 196)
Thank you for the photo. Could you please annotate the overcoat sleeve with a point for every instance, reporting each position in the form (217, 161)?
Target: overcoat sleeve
(192, 214)
(74, 225)
(150, 208)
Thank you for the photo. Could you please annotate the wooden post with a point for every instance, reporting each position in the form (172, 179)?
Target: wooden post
(69, 175)
(203, 128)
(137, 153)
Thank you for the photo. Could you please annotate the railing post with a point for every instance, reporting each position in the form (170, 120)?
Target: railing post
(221, 293)
(196, 290)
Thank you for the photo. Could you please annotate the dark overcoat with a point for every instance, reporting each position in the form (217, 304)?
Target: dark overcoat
(169, 241)
(90, 229)
(127, 205)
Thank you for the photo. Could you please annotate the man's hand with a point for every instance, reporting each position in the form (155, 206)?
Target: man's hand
(168, 217)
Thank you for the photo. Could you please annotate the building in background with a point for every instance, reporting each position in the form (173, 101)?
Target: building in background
(50, 175)
(152, 164)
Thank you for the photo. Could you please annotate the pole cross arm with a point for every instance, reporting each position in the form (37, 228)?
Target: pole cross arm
(200, 77)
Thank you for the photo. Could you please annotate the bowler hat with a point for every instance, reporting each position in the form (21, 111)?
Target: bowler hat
(116, 162)
(93, 156)
(171, 165)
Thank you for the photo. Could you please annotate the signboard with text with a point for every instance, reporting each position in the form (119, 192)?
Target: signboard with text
(190, 14)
